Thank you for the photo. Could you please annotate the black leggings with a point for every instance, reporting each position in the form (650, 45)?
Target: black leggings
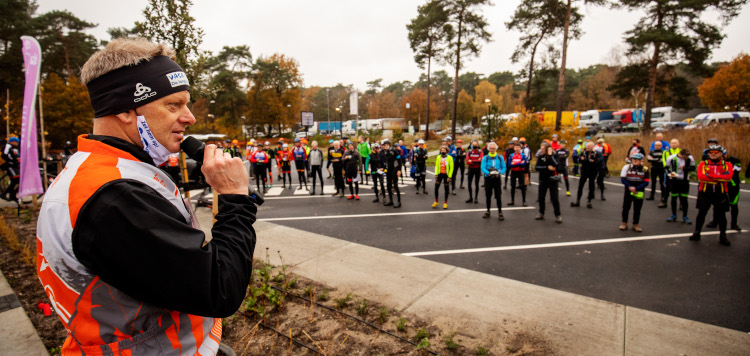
(474, 174)
(461, 173)
(375, 178)
(564, 171)
(493, 185)
(355, 190)
(658, 174)
(338, 177)
(421, 175)
(441, 179)
(517, 178)
(720, 202)
(260, 174)
(392, 184)
(637, 204)
(317, 171)
(544, 186)
(591, 177)
(679, 189)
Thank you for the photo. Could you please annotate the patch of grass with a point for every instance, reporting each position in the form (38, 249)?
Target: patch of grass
(291, 283)
(323, 296)
(424, 343)
(511, 349)
(450, 343)
(361, 307)
(309, 290)
(482, 351)
(341, 303)
(383, 315)
(401, 324)
(422, 333)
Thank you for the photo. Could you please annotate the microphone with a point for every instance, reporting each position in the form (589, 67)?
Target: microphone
(194, 148)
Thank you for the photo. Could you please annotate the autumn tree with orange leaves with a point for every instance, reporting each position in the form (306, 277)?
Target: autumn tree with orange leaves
(275, 95)
(729, 88)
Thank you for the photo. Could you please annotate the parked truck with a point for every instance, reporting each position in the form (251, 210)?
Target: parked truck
(548, 118)
(592, 117)
(325, 127)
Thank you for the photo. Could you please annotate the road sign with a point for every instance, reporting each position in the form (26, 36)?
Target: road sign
(307, 118)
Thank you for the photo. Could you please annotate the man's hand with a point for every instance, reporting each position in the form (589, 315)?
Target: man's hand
(632, 189)
(398, 173)
(551, 168)
(225, 174)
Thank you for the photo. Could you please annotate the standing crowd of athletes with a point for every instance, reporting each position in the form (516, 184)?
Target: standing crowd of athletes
(668, 171)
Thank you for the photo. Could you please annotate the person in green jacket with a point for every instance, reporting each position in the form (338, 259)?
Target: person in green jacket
(364, 151)
(674, 148)
(443, 174)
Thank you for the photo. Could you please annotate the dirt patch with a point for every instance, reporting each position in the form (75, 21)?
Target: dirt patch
(18, 265)
(283, 314)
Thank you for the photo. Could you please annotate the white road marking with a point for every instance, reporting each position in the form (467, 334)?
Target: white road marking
(441, 211)
(558, 244)
(274, 191)
(325, 195)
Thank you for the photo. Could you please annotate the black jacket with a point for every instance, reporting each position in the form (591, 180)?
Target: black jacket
(137, 241)
(542, 166)
(591, 161)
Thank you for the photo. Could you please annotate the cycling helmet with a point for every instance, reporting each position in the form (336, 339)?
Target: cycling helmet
(713, 140)
(638, 156)
(280, 142)
(330, 142)
(515, 139)
(234, 142)
(580, 141)
(14, 139)
(375, 145)
(446, 139)
(259, 144)
(421, 142)
(267, 143)
(459, 141)
(296, 140)
(563, 141)
(68, 143)
(522, 139)
(285, 146)
(715, 148)
(385, 142)
(227, 141)
(555, 136)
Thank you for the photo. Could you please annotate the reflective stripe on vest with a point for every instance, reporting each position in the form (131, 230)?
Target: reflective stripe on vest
(99, 318)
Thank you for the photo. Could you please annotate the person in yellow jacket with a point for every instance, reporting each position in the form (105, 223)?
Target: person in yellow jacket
(443, 174)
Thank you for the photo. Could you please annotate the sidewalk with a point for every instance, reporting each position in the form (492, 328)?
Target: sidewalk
(17, 334)
(480, 304)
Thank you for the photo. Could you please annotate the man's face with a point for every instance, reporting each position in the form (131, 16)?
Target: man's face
(562, 145)
(361, 139)
(315, 145)
(15, 144)
(590, 146)
(167, 119)
(657, 145)
(674, 143)
(336, 144)
(635, 143)
(659, 136)
(713, 155)
(492, 148)
(517, 148)
(400, 142)
(636, 162)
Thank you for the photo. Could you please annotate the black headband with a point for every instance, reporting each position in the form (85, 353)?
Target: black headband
(129, 87)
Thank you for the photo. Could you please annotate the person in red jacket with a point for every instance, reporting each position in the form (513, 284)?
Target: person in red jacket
(474, 160)
(284, 160)
(713, 174)
(259, 159)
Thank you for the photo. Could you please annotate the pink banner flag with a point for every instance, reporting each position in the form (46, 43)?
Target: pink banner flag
(31, 180)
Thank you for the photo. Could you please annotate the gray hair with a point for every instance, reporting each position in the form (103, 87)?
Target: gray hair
(120, 53)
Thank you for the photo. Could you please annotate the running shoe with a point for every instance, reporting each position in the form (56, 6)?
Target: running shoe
(445, 205)
(435, 204)
(350, 197)
(672, 218)
(568, 193)
(356, 197)
(686, 220)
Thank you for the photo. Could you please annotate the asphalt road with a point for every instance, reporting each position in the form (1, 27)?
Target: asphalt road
(658, 270)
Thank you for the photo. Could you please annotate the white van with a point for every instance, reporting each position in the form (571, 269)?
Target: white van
(662, 114)
(704, 120)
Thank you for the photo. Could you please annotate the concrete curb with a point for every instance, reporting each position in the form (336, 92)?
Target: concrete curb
(17, 334)
(480, 304)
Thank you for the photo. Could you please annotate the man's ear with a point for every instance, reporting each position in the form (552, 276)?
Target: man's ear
(126, 118)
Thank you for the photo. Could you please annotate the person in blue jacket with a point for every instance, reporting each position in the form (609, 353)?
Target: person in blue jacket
(493, 167)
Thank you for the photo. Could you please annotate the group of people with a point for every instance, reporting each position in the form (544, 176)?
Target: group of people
(351, 163)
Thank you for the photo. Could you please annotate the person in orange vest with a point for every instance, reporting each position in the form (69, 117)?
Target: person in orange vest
(120, 255)
(259, 159)
(713, 175)
(173, 167)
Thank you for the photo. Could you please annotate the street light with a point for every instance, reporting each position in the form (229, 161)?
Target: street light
(328, 113)
(341, 127)
(489, 121)
(244, 129)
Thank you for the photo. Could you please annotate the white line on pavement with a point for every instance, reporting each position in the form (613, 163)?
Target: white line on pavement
(325, 195)
(557, 244)
(390, 214)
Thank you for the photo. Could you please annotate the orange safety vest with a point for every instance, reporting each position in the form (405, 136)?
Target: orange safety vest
(100, 319)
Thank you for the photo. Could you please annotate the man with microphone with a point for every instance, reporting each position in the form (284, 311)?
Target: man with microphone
(119, 252)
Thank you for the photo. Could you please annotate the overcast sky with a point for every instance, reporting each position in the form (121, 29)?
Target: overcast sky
(355, 41)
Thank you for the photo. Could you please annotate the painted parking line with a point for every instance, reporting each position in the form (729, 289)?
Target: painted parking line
(325, 195)
(390, 214)
(558, 244)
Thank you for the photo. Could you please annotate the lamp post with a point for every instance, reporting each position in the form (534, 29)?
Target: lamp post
(341, 128)
(328, 105)
(489, 120)
(244, 129)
